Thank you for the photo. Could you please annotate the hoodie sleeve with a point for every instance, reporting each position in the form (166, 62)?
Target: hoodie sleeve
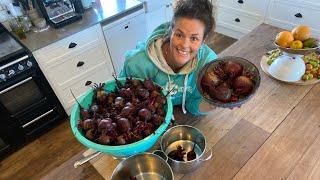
(194, 99)
(138, 65)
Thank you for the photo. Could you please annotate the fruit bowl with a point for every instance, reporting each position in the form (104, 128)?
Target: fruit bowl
(117, 150)
(247, 65)
(297, 51)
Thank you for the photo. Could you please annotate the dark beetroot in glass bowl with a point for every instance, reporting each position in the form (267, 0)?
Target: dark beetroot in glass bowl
(228, 82)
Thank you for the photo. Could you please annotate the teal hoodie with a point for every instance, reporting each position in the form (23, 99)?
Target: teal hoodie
(146, 61)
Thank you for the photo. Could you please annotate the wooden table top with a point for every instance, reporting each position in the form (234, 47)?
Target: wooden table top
(276, 135)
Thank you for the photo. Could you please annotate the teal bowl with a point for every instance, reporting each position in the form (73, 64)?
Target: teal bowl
(118, 150)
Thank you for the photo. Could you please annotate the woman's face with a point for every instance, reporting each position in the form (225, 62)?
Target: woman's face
(186, 39)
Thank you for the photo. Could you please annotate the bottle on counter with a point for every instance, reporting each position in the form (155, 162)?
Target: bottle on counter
(16, 26)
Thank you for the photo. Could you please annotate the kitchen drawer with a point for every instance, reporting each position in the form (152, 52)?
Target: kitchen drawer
(153, 5)
(124, 37)
(76, 65)
(237, 20)
(98, 75)
(61, 48)
(251, 6)
(294, 14)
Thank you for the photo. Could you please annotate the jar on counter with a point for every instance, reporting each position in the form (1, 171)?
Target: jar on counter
(16, 26)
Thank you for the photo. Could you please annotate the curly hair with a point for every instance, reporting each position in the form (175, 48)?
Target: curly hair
(195, 9)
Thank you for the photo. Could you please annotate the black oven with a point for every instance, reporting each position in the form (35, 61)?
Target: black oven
(28, 105)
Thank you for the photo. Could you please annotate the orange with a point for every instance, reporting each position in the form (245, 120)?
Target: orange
(284, 39)
(301, 33)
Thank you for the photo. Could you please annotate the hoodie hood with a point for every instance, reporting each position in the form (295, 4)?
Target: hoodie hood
(154, 51)
(143, 62)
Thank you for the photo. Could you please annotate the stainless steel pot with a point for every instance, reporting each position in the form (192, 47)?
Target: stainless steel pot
(185, 136)
(143, 166)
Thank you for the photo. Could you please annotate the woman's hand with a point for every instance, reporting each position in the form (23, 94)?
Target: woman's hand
(205, 107)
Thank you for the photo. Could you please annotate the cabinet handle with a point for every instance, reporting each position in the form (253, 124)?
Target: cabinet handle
(88, 83)
(126, 27)
(72, 45)
(237, 20)
(80, 63)
(240, 1)
(298, 15)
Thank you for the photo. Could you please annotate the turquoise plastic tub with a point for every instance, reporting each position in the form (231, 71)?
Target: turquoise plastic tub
(120, 150)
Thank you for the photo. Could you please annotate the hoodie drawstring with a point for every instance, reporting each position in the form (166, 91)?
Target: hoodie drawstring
(184, 94)
(169, 91)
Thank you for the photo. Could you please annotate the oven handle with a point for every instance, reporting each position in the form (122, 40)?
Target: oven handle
(14, 62)
(13, 86)
(38, 118)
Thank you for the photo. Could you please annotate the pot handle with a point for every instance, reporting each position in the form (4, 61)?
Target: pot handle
(208, 156)
(86, 159)
(161, 154)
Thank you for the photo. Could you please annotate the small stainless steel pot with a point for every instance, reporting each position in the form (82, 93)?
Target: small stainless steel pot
(144, 166)
(185, 136)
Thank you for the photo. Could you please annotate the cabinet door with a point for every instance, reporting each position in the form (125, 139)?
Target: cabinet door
(155, 18)
(124, 37)
(169, 11)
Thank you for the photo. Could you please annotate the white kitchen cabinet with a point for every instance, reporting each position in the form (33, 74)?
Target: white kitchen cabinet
(289, 13)
(71, 68)
(236, 18)
(157, 12)
(123, 35)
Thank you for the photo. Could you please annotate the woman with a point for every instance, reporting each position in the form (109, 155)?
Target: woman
(175, 52)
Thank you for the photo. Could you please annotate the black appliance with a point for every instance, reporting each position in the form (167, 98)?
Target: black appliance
(60, 12)
(28, 105)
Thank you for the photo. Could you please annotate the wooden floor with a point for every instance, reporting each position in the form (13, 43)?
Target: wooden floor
(54, 148)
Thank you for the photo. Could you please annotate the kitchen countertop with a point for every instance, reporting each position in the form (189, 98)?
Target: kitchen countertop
(103, 11)
(275, 135)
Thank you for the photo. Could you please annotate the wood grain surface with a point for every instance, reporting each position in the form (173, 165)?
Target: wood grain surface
(273, 136)
(276, 135)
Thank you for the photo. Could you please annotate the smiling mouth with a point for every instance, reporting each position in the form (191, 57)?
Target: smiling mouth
(183, 52)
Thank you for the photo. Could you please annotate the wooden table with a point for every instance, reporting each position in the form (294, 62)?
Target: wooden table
(276, 135)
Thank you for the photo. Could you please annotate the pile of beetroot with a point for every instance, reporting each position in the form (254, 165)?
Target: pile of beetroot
(131, 112)
(227, 82)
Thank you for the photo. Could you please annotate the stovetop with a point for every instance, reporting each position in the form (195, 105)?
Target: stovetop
(8, 45)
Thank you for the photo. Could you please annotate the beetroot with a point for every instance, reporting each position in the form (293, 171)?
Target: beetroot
(104, 123)
(210, 79)
(104, 139)
(124, 124)
(177, 154)
(133, 111)
(233, 69)
(88, 124)
(144, 114)
(243, 85)
(227, 82)
(222, 92)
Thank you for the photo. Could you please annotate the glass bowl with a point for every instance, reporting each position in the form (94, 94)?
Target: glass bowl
(249, 66)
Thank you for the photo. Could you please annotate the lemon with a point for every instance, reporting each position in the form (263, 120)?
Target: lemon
(296, 44)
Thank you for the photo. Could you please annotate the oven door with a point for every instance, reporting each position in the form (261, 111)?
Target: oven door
(21, 96)
(24, 100)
